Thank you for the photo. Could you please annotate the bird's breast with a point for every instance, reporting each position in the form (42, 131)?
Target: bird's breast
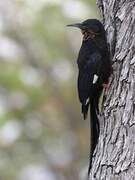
(87, 49)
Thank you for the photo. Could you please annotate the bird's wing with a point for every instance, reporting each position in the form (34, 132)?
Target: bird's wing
(88, 76)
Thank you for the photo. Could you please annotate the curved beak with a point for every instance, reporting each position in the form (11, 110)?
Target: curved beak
(78, 25)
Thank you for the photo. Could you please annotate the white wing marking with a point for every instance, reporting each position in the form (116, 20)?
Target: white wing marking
(95, 78)
(87, 101)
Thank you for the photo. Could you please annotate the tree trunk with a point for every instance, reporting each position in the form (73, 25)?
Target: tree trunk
(115, 153)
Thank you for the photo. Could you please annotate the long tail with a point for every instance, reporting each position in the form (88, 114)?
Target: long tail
(94, 126)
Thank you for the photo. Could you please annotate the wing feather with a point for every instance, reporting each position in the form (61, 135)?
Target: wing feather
(86, 77)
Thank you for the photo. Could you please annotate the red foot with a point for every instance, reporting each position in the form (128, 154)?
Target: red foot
(106, 87)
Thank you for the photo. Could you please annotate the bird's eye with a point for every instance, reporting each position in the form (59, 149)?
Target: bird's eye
(90, 31)
(93, 32)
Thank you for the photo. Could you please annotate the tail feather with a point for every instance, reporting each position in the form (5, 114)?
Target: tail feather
(94, 123)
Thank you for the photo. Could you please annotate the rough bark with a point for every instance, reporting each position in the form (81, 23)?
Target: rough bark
(115, 153)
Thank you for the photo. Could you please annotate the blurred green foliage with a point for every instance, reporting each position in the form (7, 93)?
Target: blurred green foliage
(42, 136)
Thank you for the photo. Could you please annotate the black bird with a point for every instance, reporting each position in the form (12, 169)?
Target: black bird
(94, 70)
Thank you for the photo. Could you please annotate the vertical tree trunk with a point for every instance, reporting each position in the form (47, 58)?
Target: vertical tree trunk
(115, 153)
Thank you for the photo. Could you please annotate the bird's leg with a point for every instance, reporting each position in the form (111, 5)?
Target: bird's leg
(106, 87)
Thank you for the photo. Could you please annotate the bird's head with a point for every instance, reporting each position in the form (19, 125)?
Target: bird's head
(90, 28)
